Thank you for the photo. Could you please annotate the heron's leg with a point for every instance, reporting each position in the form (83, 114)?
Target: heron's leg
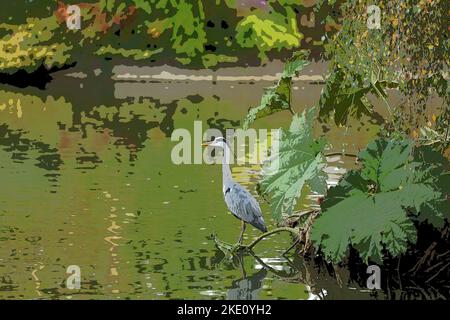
(242, 232)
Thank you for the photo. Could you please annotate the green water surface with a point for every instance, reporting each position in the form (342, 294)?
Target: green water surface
(86, 179)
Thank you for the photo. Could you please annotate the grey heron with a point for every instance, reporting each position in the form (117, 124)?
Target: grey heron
(239, 201)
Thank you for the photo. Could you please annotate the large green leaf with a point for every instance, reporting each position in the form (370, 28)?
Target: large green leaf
(273, 100)
(298, 161)
(374, 209)
(344, 101)
(295, 64)
(278, 97)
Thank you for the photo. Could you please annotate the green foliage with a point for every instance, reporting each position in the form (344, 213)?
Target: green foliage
(374, 208)
(274, 32)
(408, 52)
(136, 54)
(298, 161)
(188, 36)
(294, 65)
(343, 100)
(144, 5)
(26, 46)
(436, 132)
(356, 68)
(212, 60)
(278, 97)
(198, 33)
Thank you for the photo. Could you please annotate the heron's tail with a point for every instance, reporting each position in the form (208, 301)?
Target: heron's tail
(260, 225)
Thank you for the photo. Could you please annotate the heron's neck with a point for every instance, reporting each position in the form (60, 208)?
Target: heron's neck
(226, 172)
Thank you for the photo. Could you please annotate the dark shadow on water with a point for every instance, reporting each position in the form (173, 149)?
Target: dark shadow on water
(38, 78)
(19, 147)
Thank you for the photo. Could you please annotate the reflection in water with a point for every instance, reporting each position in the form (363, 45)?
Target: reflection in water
(113, 238)
(247, 288)
(87, 180)
(36, 279)
(20, 148)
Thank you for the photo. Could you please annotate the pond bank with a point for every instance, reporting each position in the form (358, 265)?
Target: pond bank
(129, 71)
(269, 72)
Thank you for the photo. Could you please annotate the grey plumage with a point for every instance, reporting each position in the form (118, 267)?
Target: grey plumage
(244, 206)
(239, 201)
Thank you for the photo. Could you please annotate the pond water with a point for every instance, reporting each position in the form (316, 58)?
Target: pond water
(87, 180)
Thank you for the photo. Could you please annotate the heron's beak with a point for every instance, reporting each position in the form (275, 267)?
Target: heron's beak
(205, 144)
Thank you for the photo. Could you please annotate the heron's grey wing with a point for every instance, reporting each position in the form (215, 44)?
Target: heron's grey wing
(244, 206)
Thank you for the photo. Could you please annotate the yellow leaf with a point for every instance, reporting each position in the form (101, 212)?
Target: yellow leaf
(395, 22)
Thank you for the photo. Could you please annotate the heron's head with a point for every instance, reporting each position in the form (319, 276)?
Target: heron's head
(218, 142)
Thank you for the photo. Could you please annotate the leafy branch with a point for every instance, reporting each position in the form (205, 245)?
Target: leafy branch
(296, 162)
(374, 209)
(278, 97)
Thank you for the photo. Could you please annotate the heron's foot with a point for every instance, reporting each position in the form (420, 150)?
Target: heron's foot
(228, 248)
